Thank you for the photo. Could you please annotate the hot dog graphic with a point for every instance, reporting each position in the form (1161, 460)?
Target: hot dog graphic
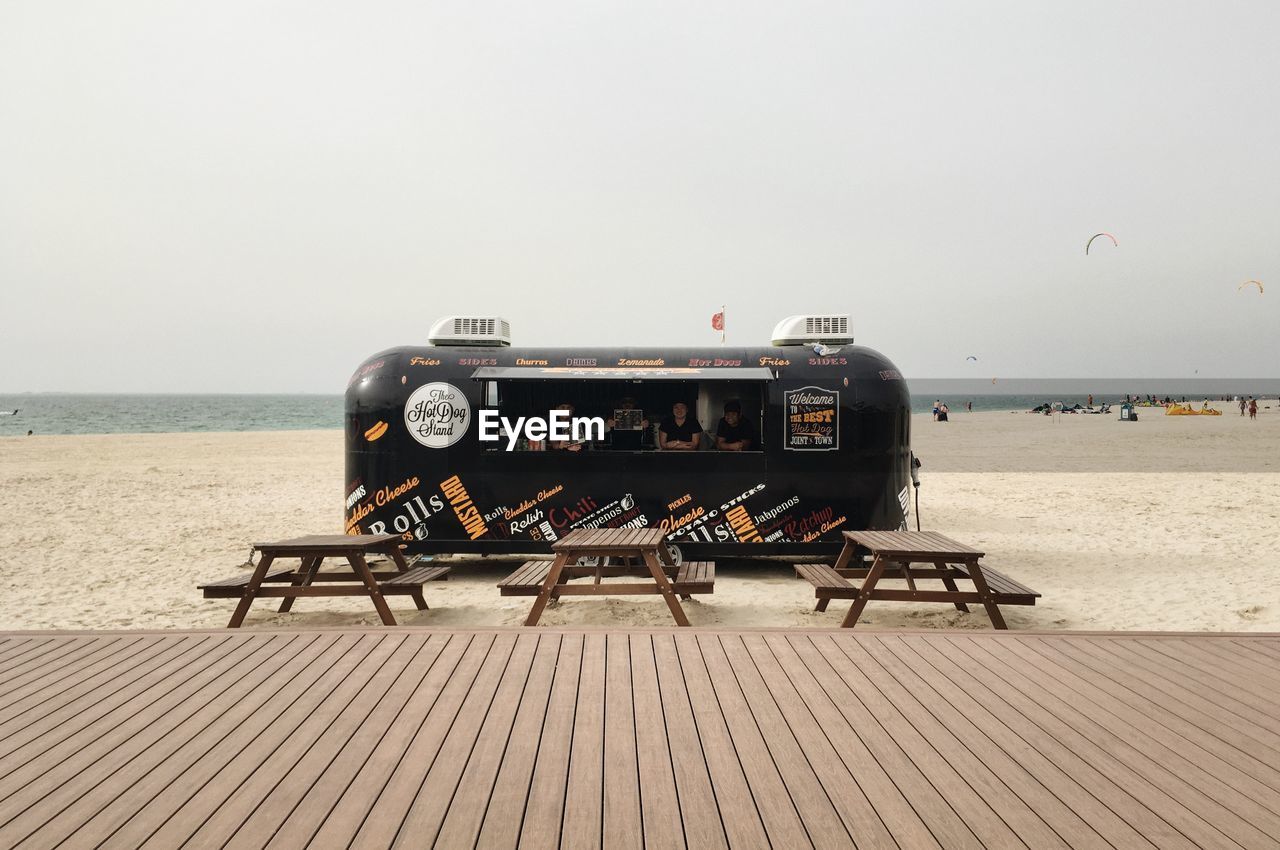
(376, 431)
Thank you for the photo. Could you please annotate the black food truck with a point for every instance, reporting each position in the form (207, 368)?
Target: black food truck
(779, 450)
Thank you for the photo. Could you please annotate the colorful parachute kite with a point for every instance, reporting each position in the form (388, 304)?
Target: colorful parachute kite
(1095, 236)
(1256, 283)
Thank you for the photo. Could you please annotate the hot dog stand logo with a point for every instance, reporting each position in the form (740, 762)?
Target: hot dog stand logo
(812, 419)
(437, 415)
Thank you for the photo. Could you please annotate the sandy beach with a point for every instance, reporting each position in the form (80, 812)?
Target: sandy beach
(1169, 523)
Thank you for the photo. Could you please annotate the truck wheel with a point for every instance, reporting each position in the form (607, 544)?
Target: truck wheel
(673, 552)
(589, 561)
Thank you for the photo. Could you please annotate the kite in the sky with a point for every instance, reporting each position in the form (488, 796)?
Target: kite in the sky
(1256, 283)
(971, 357)
(1095, 236)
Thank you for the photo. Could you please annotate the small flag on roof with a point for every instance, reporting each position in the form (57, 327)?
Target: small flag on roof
(717, 321)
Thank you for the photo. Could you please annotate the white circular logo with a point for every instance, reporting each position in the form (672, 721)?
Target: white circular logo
(437, 415)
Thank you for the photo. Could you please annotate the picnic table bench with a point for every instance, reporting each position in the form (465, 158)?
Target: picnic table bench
(404, 579)
(644, 553)
(895, 554)
(688, 578)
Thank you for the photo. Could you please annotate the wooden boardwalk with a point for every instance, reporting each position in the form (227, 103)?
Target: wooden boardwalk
(561, 738)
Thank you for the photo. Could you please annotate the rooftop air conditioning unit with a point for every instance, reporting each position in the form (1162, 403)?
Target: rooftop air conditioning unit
(803, 330)
(470, 330)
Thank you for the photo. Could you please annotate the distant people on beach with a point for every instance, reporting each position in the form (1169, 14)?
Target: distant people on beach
(1091, 399)
(969, 407)
(1243, 405)
(943, 410)
(1253, 408)
(937, 405)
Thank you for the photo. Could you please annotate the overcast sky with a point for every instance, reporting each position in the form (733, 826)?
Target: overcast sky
(254, 196)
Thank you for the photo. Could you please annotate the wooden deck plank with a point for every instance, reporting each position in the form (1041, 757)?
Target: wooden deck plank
(1084, 758)
(303, 821)
(797, 742)
(713, 738)
(71, 677)
(868, 801)
(584, 793)
(1224, 671)
(1205, 684)
(987, 780)
(96, 699)
(466, 762)
(12, 646)
(976, 812)
(661, 826)
(200, 773)
(1228, 659)
(1211, 710)
(544, 811)
(870, 753)
(50, 685)
(777, 807)
(474, 740)
(739, 813)
(1256, 647)
(66, 657)
(155, 785)
(276, 789)
(1224, 661)
(458, 660)
(1254, 780)
(213, 807)
(461, 824)
(504, 812)
(78, 770)
(986, 739)
(703, 825)
(1217, 780)
(1196, 728)
(464, 702)
(1079, 786)
(1198, 816)
(1232, 708)
(622, 776)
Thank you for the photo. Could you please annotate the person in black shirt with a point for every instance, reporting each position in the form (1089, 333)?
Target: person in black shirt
(735, 434)
(622, 438)
(679, 431)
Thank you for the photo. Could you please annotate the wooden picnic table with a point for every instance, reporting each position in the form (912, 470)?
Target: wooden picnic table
(897, 551)
(642, 545)
(308, 580)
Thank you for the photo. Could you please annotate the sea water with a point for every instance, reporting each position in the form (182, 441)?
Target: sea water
(59, 413)
(66, 413)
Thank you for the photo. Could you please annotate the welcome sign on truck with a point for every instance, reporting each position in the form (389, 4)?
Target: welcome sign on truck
(470, 445)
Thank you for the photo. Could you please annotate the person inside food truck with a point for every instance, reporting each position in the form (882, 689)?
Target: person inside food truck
(735, 434)
(679, 432)
(566, 445)
(625, 438)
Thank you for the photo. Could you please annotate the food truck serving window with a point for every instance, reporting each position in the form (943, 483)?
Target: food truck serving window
(634, 404)
(565, 373)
